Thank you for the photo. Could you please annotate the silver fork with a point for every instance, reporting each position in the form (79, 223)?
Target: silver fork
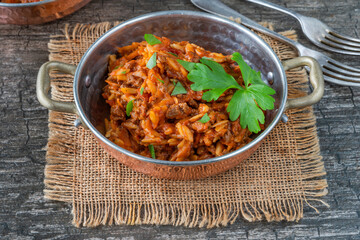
(333, 70)
(318, 32)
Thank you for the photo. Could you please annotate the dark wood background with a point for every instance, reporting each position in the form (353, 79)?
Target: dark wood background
(25, 214)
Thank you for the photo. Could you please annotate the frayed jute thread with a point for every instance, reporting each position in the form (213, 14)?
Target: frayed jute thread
(271, 185)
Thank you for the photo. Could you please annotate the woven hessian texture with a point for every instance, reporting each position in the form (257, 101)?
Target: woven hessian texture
(285, 173)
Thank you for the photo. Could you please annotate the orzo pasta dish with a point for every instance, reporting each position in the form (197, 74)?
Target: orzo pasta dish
(179, 102)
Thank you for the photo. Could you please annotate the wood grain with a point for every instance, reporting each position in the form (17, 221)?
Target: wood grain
(24, 214)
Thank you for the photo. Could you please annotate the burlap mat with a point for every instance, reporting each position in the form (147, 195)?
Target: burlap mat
(273, 184)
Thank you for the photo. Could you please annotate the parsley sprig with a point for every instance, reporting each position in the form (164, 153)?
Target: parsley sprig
(151, 39)
(152, 151)
(246, 103)
(205, 118)
(152, 61)
(178, 89)
(129, 107)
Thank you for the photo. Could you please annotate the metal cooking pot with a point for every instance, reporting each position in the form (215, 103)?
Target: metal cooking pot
(38, 12)
(211, 32)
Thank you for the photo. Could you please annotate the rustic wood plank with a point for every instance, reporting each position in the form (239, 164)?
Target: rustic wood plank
(24, 214)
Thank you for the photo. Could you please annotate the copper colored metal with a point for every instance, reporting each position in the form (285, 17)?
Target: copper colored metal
(38, 12)
(191, 172)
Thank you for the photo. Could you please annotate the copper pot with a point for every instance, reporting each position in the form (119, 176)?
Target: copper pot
(212, 33)
(38, 12)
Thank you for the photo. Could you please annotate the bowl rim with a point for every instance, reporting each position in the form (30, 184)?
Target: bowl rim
(248, 146)
(25, 4)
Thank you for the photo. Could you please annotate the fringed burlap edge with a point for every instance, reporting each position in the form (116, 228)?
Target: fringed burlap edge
(62, 149)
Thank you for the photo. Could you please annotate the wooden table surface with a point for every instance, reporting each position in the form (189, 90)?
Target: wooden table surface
(25, 214)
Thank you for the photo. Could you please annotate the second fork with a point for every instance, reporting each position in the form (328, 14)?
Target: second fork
(318, 32)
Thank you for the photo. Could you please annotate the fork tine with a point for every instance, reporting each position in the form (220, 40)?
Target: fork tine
(333, 46)
(339, 73)
(339, 65)
(335, 39)
(328, 72)
(340, 82)
(344, 37)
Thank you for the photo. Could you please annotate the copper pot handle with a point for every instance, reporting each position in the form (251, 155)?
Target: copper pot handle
(316, 79)
(43, 86)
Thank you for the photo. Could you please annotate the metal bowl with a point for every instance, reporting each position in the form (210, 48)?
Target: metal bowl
(38, 12)
(211, 32)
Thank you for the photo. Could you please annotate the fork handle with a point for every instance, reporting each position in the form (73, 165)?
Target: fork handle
(218, 8)
(277, 7)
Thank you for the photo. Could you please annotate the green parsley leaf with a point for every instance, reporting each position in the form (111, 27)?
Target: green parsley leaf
(151, 39)
(160, 80)
(209, 75)
(243, 104)
(123, 72)
(152, 62)
(208, 58)
(173, 54)
(116, 67)
(179, 89)
(205, 118)
(187, 65)
(152, 151)
(141, 90)
(129, 107)
(249, 75)
(246, 103)
(262, 95)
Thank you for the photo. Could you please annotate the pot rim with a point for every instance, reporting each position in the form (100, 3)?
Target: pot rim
(13, 5)
(101, 137)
